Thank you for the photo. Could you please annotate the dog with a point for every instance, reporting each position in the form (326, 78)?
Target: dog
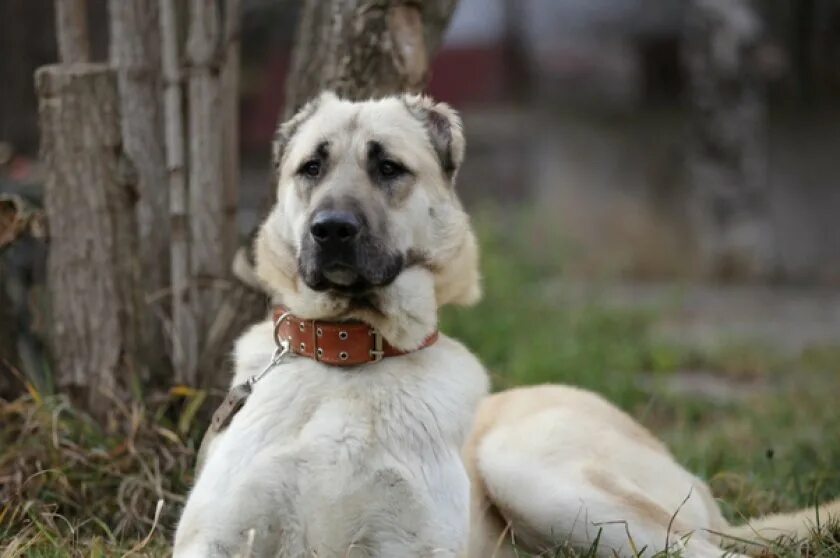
(328, 460)
(556, 467)
(405, 455)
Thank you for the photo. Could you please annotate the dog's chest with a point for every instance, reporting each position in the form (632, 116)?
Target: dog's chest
(342, 453)
(338, 416)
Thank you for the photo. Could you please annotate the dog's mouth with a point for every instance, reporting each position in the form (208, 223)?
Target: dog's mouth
(351, 275)
(341, 276)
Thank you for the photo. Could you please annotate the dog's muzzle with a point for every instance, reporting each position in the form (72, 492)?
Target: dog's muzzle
(339, 252)
(336, 235)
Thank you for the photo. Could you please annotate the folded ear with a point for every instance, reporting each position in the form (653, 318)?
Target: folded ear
(444, 128)
(286, 130)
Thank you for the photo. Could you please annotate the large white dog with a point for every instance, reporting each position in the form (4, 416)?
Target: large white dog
(328, 460)
(357, 442)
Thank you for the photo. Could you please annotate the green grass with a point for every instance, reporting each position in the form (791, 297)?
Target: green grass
(777, 449)
(524, 337)
(70, 486)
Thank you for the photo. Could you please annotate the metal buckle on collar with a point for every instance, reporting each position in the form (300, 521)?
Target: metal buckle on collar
(283, 348)
(277, 341)
(376, 353)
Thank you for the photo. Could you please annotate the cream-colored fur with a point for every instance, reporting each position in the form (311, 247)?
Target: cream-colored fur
(379, 461)
(361, 462)
(430, 222)
(557, 467)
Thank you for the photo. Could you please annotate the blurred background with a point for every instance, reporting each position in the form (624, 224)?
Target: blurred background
(583, 107)
(650, 144)
(656, 188)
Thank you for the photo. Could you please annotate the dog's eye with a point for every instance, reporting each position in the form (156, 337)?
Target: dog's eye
(311, 169)
(390, 169)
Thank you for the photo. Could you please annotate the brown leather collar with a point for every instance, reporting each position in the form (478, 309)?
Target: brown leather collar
(348, 343)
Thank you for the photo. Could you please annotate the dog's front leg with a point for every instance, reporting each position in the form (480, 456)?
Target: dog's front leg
(238, 511)
(215, 532)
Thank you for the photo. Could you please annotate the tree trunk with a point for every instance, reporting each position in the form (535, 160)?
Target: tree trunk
(135, 54)
(230, 120)
(183, 331)
(364, 48)
(241, 305)
(220, 303)
(727, 160)
(72, 31)
(89, 200)
(206, 177)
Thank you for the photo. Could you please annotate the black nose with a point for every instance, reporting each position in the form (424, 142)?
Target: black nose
(334, 227)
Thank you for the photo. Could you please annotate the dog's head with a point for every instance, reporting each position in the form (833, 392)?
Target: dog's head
(365, 193)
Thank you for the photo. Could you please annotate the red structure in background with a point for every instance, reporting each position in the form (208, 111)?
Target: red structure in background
(470, 75)
(262, 101)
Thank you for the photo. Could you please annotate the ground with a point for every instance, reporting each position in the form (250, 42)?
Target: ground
(747, 400)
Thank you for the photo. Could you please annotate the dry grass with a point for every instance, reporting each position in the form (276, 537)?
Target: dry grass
(71, 486)
(824, 542)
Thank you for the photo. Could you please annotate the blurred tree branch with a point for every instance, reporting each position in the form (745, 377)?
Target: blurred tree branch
(72, 31)
(183, 332)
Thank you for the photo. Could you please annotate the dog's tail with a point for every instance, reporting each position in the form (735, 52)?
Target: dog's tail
(753, 537)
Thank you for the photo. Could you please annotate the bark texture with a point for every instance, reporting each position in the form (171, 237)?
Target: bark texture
(221, 306)
(364, 48)
(183, 332)
(230, 119)
(89, 201)
(210, 261)
(240, 305)
(727, 160)
(135, 54)
(72, 31)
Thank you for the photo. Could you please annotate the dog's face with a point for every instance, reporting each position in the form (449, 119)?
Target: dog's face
(365, 193)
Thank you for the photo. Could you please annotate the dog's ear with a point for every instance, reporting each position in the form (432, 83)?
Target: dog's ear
(443, 125)
(286, 130)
